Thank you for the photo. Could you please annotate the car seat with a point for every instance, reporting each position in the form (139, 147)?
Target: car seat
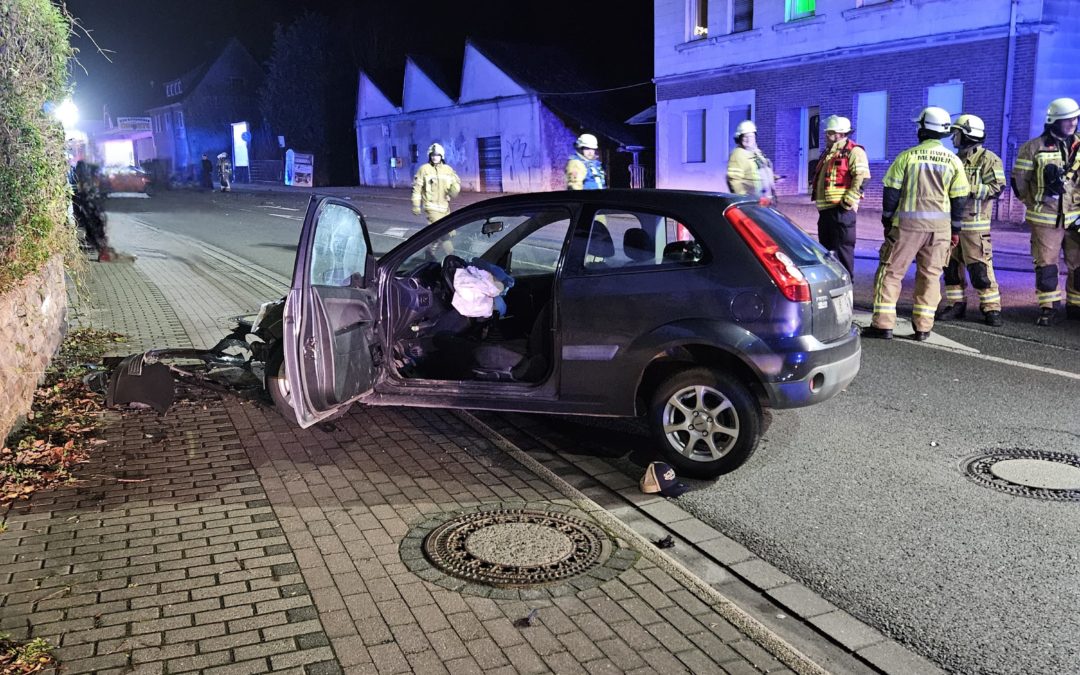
(601, 246)
(638, 245)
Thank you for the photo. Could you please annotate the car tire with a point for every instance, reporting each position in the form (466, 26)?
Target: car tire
(277, 385)
(705, 422)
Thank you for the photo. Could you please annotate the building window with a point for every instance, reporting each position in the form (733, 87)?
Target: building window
(236, 83)
(698, 15)
(173, 88)
(414, 153)
(694, 140)
(179, 119)
(373, 152)
(799, 9)
(742, 15)
(871, 119)
(949, 96)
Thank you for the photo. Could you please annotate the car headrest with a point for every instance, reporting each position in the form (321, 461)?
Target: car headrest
(638, 245)
(683, 251)
(601, 244)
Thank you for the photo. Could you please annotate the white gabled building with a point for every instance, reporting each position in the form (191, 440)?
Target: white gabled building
(500, 130)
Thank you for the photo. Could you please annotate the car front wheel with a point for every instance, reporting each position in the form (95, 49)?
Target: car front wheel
(277, 385)
(706, 422)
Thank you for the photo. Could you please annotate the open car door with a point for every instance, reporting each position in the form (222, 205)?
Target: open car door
(332, 353)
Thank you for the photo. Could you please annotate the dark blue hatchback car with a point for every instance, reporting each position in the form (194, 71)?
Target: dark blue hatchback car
(693, 309)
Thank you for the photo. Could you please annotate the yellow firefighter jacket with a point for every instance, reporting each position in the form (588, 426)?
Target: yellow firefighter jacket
(928, 176)
(987, 178)
(749, 172)
(434, 186)
(1029, 179)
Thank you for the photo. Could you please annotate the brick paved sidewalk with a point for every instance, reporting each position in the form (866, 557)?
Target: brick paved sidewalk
(221, 538)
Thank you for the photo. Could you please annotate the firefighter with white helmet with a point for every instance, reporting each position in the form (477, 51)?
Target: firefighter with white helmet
(434, 185)
(584, 170)
(837, 188)
(224, 168)
(922, 206)
(749, 171)
(1046, 177)
(973, 255)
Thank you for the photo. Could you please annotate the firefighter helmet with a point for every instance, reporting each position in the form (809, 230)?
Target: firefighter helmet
(1062, 109)
(840, 125)
(587, 142)
(971, 126)
(934, 118)
(436, 149)
(745, 127)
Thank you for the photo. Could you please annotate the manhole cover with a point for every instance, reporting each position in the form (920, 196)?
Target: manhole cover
(1028, 473)
(515, 548)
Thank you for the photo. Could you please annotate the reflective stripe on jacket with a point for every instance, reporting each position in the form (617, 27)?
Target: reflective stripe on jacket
(1029, 180)
(928, 176)
(987, 178)
(749, 172)
(584, 174)
(434, 186)
(840, 175)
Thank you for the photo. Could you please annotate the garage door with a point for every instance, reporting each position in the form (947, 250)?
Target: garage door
(490, 153)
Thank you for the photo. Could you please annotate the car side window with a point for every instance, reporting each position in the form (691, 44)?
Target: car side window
(621, 240)
(339, 252)
(535, 238)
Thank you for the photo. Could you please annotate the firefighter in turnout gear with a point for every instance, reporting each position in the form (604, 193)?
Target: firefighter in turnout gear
(434, 185)
(749, 171)
(1046, 177)
(974, 255)
(584, 171)
(837, 188)
(926, 190)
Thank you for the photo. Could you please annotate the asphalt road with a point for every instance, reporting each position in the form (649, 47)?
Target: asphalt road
(861, 498)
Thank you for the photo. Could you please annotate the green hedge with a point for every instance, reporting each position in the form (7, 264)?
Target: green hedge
(34, 57)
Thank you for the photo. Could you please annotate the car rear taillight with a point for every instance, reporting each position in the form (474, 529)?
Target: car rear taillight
(782, 269)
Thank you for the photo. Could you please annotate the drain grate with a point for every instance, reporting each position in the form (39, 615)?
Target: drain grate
(515, 548)
(1052, 476)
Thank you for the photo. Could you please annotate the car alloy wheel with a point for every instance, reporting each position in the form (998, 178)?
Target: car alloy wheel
(705, 422)
(700, 422)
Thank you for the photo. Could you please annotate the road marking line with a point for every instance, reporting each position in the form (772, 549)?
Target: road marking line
(271, 206)
(946, 345)
(282, 215)
(905, 329)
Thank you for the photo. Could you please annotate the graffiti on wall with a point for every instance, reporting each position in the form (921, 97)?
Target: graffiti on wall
(520, 164)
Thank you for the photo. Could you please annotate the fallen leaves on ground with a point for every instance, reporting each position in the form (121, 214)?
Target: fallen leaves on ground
(29, 657)
(60, 427)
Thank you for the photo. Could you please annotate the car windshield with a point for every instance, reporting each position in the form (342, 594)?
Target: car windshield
(788, 236)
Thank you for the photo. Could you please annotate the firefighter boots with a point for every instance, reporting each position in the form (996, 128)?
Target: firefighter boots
(957, 310)
(1046, 316)
(993, 318)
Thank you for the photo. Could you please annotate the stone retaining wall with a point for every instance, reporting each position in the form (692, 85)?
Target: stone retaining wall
(31, 329)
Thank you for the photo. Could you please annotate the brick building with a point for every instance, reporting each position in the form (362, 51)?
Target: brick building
(789, 64)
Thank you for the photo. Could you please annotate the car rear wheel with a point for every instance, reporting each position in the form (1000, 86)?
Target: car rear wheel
(706, 422)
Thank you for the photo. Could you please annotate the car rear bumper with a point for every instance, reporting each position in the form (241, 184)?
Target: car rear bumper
(821, 376)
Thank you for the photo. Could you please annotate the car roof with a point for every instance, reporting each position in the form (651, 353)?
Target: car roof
(643, 197)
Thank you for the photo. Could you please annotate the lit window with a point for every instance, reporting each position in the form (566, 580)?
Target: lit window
(179, 119)
(694, 139)
(698, 13)
(800, 9)
(949, 96)
(173, 88)
(871, 119)
(742, 15)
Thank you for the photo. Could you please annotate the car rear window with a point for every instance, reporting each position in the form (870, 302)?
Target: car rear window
(788, 236)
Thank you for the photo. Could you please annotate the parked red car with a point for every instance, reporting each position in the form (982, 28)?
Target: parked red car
(125, 179)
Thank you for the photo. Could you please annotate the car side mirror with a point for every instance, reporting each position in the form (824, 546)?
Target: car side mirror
(491, 227)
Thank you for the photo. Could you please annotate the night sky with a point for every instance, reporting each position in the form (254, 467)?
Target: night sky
(158, 40)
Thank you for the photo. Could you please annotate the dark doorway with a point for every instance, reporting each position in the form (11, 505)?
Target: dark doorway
(490, 153)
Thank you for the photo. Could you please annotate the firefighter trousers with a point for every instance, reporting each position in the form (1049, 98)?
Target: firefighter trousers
(836, 232)
(929, 251)
(974, 257)
(1046, 246)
